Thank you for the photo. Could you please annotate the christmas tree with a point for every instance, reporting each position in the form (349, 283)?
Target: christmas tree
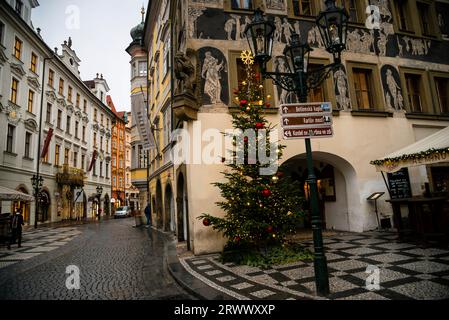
(261, 210)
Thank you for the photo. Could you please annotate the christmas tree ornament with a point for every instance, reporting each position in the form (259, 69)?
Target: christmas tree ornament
(266, 193)
(260, 125)
(206, 222)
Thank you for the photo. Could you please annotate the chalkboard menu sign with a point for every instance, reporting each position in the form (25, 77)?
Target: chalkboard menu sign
(399, 183)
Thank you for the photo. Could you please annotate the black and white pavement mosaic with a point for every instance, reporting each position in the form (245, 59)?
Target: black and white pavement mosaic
(407, 272)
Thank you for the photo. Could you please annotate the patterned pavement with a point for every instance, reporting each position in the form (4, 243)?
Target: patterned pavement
(35, 243)
(407, 272)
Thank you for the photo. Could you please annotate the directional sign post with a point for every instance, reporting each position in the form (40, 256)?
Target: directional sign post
(307, 120)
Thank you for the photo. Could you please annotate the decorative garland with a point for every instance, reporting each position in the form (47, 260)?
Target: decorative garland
(431, 153)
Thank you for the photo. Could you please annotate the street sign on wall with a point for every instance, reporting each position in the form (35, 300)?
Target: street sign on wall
(307, 120)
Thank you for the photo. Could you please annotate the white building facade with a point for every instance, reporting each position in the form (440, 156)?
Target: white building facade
(42, 88)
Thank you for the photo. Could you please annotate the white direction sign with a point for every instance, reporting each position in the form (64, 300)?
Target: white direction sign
(307, 120)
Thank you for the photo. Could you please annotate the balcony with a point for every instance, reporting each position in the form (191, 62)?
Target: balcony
(70, 176)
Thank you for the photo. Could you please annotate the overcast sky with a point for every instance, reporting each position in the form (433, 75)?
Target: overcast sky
(100, 34)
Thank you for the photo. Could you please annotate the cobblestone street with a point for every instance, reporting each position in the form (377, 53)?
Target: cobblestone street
(116, 261)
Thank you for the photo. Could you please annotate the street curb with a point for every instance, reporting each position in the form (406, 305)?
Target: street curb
(192, 285)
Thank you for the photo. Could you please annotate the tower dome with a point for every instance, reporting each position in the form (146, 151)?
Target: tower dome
(138, 31)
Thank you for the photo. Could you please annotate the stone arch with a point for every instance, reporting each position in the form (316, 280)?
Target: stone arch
(44, 205)
(182, 210)
(169, 216)
(345, 213)
(25, 206)
(159, 205)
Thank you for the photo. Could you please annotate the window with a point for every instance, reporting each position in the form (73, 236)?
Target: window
(78, 98)
(84, 134)
(115, 181)
(242, 4)
(61, 87)
(68, 123)
(425, 19)
(363, 88)
(95, 140)
(107, 124)
(57, 154)
(59, 124)
(33, 62)
(30, 101)
(414, 92)
(2, 32)
(102, 119)
(101, 96)
(442, 86)
(304, 8)
(66, 156)
(27, 145)
(403, 15)
(51, 78)
(318, 94)
(14, 90)
(49, 110)
(10, 138)
(76, 129)
(45, 159)
(18, 49)
(75, 159)
(101, 168)
(143, 68)
(107, 170)
(95, 115)
(19, 6)
(101, 143)
(107, 145)
(167, 126)
(166, 62)
(85, 106)
(83, 161)
(69, 96)
(355, 8)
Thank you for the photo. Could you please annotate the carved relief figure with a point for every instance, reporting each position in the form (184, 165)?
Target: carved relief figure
(238, 30)
(185, 72)
(394, 89)
(342, 97)
(382, 44)
(194, 14)
(297, 28)
(275, 4)
(278, 32)
(360, 43)
(247, 22)
(229, 27)
(314, 37)
(281, 67)
(211, 73)
(287, 30)
(416, 46)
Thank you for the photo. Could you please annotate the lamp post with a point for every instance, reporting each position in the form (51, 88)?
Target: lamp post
(332, 24)
(99, 193)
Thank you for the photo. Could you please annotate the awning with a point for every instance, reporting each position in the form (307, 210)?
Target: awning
(12, 195)
(430, 150)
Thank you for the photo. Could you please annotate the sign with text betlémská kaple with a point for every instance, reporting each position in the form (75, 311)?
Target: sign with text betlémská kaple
(307, 120)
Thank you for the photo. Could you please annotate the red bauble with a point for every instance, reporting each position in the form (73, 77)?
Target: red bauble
(257, 76)
(243, 103)
(267, 105)
(237, 239)
(270, 229)
(260, 125)
(245, 139)
(206, 222)
(266, 193)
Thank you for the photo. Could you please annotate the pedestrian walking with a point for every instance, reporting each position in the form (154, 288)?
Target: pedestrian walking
(148, 214)
(16, 228)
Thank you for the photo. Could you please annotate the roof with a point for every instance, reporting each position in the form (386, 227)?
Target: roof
(90, 84)
(111, 105)
(12, 195)
(433, 149)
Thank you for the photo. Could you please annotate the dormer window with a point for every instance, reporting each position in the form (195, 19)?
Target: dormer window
(19, 7)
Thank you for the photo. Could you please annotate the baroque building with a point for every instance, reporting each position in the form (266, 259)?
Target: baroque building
(391, 92)
(43, 95)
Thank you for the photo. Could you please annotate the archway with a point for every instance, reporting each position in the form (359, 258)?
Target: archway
(44, 206)
(24, 206)
(169, 216)
(339, 195)
(182, 211)
(107, 205)
(159, 216)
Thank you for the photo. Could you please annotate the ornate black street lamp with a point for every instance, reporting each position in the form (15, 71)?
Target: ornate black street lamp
(333, 26)
(37, 182)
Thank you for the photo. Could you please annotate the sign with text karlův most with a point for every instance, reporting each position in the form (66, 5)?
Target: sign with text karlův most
(307, 120)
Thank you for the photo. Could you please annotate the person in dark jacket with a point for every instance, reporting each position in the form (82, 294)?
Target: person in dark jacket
(16, 228)
(148, 214)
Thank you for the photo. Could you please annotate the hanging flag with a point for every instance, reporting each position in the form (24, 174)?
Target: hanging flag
(94, 159)
(47, 143)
